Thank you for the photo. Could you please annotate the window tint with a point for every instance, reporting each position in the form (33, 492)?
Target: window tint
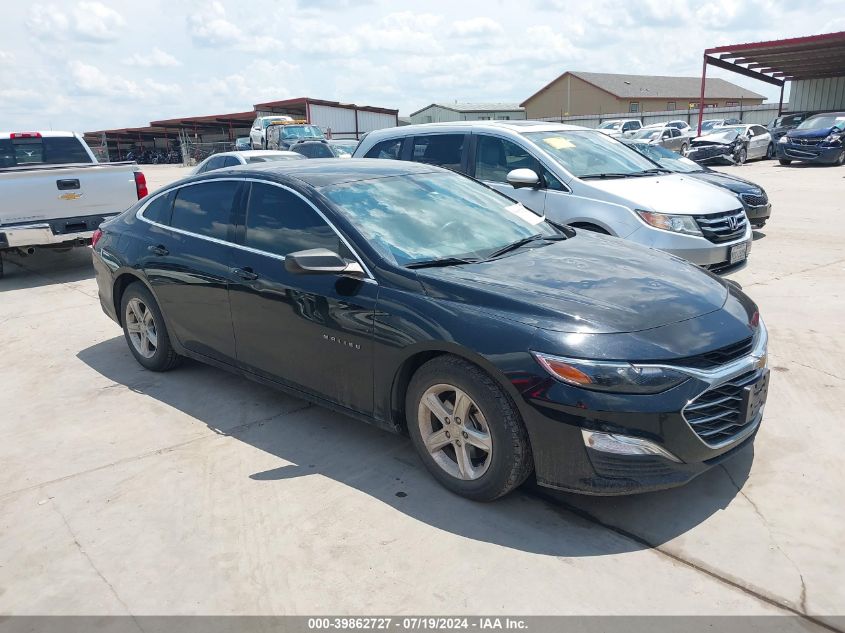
(159, 209)
(52, 150)
(314, 150)
(496, 157)
(215, 162)
(758, 129)
(205, 208)
(439, 149)
(230, 161)
(675, 132)
(279, 222)
(386, 149)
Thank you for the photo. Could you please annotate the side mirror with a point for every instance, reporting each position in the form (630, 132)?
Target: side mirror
(321, 261)
(519, 178)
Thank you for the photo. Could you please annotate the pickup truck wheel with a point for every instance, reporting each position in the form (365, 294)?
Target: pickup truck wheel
(466, 429)
(144, 329)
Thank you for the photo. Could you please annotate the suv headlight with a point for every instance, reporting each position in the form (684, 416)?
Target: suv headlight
(783, 139)
(615, 377)
(675, 223)
(833, 137)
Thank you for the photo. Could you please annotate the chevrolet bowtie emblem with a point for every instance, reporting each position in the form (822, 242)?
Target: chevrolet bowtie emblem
(70, 196)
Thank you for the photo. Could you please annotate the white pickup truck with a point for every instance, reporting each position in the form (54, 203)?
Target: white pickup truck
(54, 193)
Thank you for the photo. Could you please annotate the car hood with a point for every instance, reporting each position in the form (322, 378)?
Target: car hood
(733, 183)
(816, 133)
(716, 138)
(589, 283)
(668, 193)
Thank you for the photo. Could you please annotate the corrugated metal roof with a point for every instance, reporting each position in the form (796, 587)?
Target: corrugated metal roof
(474, 107)
(645, 86)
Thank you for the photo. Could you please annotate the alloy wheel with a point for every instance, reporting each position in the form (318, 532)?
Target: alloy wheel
(455, 432)
(141, 325)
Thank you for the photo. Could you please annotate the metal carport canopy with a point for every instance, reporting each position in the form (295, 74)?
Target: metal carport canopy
(779, 61)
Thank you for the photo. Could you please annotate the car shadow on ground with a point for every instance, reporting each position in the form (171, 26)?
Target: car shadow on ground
(45, 267)
(757, 234)
(312, 440)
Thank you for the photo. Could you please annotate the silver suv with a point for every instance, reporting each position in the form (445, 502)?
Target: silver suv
(579, 176)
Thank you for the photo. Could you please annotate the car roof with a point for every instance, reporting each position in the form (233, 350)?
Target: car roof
(322, 172)
(476, 126)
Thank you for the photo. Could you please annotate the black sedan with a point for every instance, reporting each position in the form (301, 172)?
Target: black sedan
(424, 302)
(754, 199)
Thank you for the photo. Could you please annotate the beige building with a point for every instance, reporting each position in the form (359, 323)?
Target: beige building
(576, 93)
(439, 112)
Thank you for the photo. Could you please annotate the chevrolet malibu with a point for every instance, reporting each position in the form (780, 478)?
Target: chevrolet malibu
(426, 303)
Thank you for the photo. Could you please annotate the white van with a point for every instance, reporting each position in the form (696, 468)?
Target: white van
(582, 177)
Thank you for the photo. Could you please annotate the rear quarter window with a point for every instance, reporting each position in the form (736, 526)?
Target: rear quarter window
(159, 209)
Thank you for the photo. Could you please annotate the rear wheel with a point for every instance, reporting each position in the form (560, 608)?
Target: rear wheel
(466, 429)
(144, 329)
(784, 161)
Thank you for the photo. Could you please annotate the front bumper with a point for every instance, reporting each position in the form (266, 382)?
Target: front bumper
(711, 154)
(51, 232)
(695, 249)
(808, 153)
(758, 214)
(558, 414)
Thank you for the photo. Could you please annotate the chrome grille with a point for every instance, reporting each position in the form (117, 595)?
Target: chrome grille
(716, 415)
(806, 141)
(722, 227)
(753, 200)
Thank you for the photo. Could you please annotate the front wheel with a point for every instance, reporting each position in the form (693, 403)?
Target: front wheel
(466, 429)
(840, 160)
(770, 151)
(742, 156)
(684, 149)
(784, 161)
(144, 329)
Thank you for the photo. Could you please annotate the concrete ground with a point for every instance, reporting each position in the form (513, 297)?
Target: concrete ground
(198, 492)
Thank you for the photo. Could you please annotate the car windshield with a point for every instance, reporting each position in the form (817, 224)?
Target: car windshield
(422, 217)
(709, 125)
(301, 131)
(647, 133)
(343, 149)
(266, 158)
(823, 122)
(590, 154)
(610, 125)
(667, 158)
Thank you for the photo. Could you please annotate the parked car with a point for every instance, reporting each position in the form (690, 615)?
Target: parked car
(424, 302)
(231, 159)
(782, 124)
(343, 147)
(313, 149)
(818, 139)
(242, 144)
(285, 135)
(710, 125)
(668, 137)
(258, 133)
(683, 126)
(732, 144)
(54, 193)
(753, 197)
(579, 176)
(620, 127)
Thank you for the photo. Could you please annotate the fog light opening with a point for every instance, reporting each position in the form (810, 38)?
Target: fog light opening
(624, 445)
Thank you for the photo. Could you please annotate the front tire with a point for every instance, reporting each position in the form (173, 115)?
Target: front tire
(742, 156)
(784, 161)
(683, 149)
(144, 329)
(466, 429)
(840, 160)
(770, 151)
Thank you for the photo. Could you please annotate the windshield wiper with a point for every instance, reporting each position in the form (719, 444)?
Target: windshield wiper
(654, 170)
(507, 248)
(441, 261)
(607, 175)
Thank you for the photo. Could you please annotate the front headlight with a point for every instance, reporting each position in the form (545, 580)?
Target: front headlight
(832, 138)
(615, 377)
(675, 223)
(783, 139)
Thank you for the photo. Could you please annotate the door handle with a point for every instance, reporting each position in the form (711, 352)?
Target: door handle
(245, 273)
(67, 183)
(159, 250)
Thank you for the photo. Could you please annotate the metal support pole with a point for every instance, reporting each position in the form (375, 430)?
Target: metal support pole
(701, 95)
(780, 103)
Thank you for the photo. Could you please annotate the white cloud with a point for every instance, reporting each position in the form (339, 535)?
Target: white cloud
(402, 32)
(47, 20)
(97, 22)
(156, 58)
(477, 27)
(209, 27)
(6, 57)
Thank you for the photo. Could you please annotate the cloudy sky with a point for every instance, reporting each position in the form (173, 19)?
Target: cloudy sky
(88, 65)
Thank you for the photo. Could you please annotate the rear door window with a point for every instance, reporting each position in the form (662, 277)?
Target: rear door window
(159, 209)
(205, 208)
(443, 150)
(386, 149)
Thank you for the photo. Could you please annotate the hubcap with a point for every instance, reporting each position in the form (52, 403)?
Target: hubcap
(455, 432)
(141, 326)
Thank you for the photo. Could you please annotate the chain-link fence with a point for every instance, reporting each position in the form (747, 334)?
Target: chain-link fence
(193, 152)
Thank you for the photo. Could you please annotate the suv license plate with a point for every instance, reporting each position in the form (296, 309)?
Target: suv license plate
(739, 253)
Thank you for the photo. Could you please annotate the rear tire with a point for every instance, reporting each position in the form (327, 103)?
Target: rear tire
(483, 455)
(784, 161)
(145, 331)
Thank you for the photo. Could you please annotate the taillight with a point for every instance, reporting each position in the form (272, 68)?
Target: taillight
(95, 237)
(25, 135)
(141, 184)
